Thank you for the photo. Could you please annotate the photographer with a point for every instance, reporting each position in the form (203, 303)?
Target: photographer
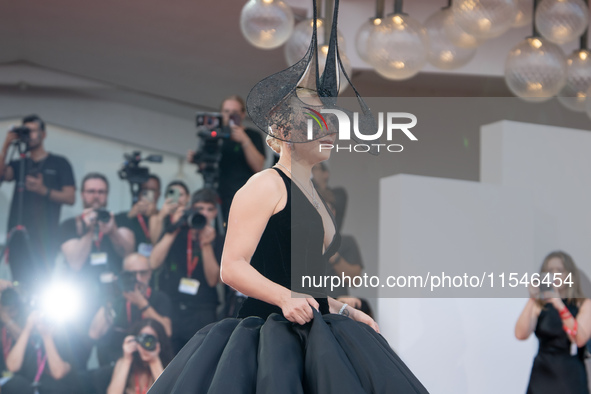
(49, 183)
(138, 218)
(92, 242)
(242, 155)
(176, 199)
(11, 314)
(39, 360)
(146, 352)
(136, 301)
(93, 247)
(190, 259)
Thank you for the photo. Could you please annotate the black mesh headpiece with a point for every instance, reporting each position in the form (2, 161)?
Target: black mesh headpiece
(282, 104)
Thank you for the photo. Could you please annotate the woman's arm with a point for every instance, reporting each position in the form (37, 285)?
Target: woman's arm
(14, 360)
(527, 320)
(122, 367)
(161, 249)
(582, 321)
(58, 368)
(262, 196)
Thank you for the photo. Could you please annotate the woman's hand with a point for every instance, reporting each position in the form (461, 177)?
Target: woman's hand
(361, 317)
(177, 214)
(297, 308)
(168, 207)
(129, 347)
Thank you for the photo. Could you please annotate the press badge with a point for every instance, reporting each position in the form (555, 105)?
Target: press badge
(98, 258)
(189, 286)
(573, 349)
(144, 249)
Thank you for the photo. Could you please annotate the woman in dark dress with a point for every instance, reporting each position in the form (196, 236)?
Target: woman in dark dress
(561, 319)
(289, 337)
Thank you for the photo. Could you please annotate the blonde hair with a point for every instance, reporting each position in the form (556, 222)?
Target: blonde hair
(273, 143)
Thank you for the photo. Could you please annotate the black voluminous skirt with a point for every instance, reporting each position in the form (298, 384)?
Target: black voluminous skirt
(330, 355)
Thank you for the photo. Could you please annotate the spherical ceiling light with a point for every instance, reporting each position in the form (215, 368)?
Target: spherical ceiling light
(458, 36)
(322, 53)
(442, 53)
(398, 47)
(578, 81)
(535, 69)
(363, 36)
(296, 47)
(484, 18)
(524, 14)
(266, 24)
(561, 21)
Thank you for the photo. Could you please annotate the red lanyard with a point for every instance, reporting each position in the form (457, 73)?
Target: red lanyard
(191, 261)
(97, 242)
(140, 219)
(137, 385)
(40, 365)
(128, 305)
(6, 343)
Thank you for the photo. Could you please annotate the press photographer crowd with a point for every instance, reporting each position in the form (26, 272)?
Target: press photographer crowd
(135, 286)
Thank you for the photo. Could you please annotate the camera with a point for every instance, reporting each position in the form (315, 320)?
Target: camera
(211, 133)
(190, 219)
(127, 281)
(131, 170)
(23, 132)
(147, 341)
(102, 215)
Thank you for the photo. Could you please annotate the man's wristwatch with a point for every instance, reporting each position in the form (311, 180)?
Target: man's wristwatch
(145, 308)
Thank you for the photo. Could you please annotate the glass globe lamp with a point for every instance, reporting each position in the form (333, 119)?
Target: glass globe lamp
(524, 14)
(266, 24)
(535, 69)
(484, 19)
(362, 37)
(442, 52)
(296, 47)
(398, 47)
(458, 36)
(578, 81)
(561, 21)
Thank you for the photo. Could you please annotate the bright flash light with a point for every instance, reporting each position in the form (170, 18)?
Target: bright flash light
(61, 302)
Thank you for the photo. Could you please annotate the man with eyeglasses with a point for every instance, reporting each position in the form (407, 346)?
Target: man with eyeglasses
(93, 247)
(112, 322)
(48, 184)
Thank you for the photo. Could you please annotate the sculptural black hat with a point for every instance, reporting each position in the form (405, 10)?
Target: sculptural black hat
(285, 104)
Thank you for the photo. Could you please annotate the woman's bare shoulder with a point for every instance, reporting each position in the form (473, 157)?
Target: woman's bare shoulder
(263, 187)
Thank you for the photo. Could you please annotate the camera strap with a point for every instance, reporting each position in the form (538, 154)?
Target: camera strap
(128, 304)
(191, 261)
(138, 390)
(40, 365)
(140, 219)
(98, 240)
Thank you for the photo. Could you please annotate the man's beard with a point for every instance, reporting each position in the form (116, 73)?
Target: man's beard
(94, 204)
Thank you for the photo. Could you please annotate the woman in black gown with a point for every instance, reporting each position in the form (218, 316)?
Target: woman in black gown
(561, 319)
(288, 338)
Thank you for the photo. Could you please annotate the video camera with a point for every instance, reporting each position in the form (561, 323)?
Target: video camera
(134, 174)
(211, 133)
